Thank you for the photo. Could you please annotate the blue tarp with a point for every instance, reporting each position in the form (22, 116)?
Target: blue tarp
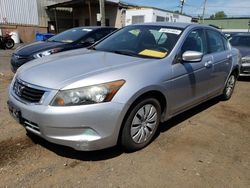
(43, 36)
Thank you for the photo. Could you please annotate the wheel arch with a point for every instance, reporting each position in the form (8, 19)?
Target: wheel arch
(236, 71)
(153, 93)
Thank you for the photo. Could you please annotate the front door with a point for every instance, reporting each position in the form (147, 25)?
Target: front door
(190, 80)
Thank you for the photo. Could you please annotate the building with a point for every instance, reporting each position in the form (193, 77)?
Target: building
(231, 24)
(84, 13)
(31, 16)
(146, 14)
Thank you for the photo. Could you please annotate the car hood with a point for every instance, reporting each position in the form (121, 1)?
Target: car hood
(59, 70)
(244, 51)
(36, 47)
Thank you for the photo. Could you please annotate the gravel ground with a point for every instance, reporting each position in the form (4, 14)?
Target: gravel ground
(207, 146)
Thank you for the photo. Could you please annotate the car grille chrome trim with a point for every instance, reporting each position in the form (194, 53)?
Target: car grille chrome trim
(27, 92)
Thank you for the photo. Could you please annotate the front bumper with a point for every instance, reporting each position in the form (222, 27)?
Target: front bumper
(86, 127)
(245, 69)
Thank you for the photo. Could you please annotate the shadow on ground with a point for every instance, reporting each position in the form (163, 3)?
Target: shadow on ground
(117, 150)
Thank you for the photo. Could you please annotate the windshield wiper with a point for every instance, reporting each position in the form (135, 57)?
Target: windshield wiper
(125, 53)
(91, 48)
(130, 53)
(55, 41)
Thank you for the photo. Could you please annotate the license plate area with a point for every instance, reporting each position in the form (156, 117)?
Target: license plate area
(15, 112)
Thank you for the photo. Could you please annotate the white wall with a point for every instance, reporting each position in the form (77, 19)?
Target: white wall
(151, 15)
(147, 13)
(18, 12)
(162, 14)
(185, 19)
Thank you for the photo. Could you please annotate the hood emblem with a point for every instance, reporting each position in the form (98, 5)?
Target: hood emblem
(19, 89)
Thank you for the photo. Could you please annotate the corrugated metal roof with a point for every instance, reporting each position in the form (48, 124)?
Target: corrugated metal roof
(18, 12)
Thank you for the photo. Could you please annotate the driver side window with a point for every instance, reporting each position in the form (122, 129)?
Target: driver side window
(195, 41)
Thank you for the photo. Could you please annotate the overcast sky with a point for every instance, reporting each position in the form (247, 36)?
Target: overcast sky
(194, 7)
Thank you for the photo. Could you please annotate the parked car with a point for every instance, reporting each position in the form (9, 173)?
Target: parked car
(79, 37)
(119, 90)
(229, 35)
(241, 41)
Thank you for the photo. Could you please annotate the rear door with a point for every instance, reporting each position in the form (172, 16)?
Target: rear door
(222, 60)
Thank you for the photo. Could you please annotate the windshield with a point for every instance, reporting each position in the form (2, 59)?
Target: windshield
(141, 41)
(240, 41)
(70, 35)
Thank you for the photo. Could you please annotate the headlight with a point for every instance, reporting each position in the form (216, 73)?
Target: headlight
(245, 59)
(87, 95)
(47, 52)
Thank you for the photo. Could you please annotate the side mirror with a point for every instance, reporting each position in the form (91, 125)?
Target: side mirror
(192, 56)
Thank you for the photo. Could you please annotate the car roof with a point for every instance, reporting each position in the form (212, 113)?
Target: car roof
(169, 24)
(94, 27)
(180, 25)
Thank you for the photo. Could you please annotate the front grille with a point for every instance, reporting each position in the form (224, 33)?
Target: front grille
(27, 93)
(245, 69)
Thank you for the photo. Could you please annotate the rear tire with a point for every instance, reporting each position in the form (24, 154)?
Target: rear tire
(229, 87)
(141, 124)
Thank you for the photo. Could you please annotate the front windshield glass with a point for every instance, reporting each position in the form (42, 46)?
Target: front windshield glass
(70, 35)
(142, 41)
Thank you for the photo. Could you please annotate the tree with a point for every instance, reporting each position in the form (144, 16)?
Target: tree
(218, 15)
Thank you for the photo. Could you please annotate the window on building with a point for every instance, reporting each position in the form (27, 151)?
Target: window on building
(167, 19)
(176, 16)
(107, 22)
(98, 23)
(137, 19)
(87, 22)
(160, 19)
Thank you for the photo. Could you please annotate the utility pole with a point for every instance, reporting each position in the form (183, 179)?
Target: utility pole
(90, 13)
(102, 12)
(182, 5)
(248, 26)
(204, 9)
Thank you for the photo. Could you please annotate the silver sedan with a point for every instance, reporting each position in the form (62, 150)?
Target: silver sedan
(119, 90)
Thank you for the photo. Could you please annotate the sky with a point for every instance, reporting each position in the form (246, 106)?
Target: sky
(232, 8)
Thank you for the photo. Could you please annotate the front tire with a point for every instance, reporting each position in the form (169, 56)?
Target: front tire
(229, 87)
(9, 43)
(141, 124)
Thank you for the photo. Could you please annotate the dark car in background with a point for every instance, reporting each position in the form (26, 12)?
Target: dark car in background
(241, 41)
(80, 37)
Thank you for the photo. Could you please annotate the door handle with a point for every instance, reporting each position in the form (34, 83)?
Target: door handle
(208, 64)
(229, 56)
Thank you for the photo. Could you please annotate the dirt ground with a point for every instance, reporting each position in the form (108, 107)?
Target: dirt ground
(207, 146)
